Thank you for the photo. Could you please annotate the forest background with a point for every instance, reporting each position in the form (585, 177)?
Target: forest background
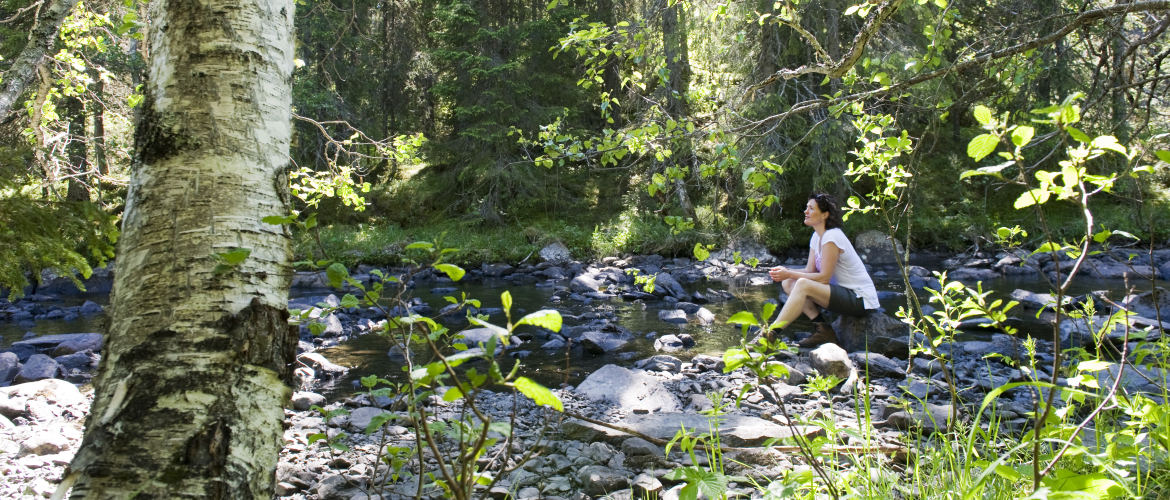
(610, 126)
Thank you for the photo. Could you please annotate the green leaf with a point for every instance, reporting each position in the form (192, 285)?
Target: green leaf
(420, 245)
(1022, 135)
(452, 394)
(1102, 236)
(743, 318)
(1076, 133)
(454, 272)
(538, 393)
(349, 301)
(506, 298)
(313, 438)
(1093, 366)
(378, 421)
(1033, 197)
(336, 273)
(1095, 485)
(700, 252)
(1108, 142)
(544, 318)
(277, 220)
(983, 114)
(981, 146)
(1163, 155)
(992, 170)
(735, 358)
(236, 256)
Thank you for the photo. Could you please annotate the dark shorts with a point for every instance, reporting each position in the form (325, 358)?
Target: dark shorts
(845, 301)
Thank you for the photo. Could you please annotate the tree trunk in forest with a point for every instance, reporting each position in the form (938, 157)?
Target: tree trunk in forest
(76, 150)
(1119, 106)
(191, 390)
(769, 47)
(40, 42)
(674, 43)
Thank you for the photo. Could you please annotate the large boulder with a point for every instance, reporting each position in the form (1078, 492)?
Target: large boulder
(876, 365)
(875, 248)
(734, 430)
(321, 365)
(873, 332)
(38, 367)
(75, 342)
(602, 342)
(57, 392)
(9, 366)
(556, 253)
(666, 284)
(660, 363)
(676, 316)
(831, 359)
(630, 389)
(597, 480)
(1150, 303)
(930, 419)
(586, 283)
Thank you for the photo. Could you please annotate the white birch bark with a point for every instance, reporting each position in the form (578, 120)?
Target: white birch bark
(197, 367)
(40, 41)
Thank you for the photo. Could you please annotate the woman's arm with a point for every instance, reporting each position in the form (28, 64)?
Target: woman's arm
(829, 255)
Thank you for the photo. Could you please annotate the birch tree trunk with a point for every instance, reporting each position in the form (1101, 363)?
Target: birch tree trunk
(40, 41)
(197, 368)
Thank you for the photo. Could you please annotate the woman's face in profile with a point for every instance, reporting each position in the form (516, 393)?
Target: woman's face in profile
(813, 214)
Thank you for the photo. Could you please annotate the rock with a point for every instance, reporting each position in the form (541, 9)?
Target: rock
(285, 489)
(637, 446)
(601, 343)
(553, 344)
(555, 273)
(668, 343)
(9, 366)
(333, 487)
(1117, 270)
(628, 388)
(44, 443)
(877, 365)
(77, 342)
(915, 388)
(56, 392)
(597, 480)
(586, 283)
(303, 401)
(999, 344)
(875, 248)
(660, 363)
(38, 367)
(934, 418)
(927, 367)
(646, 486)
(708, 363)
(666, 284)
(556, 253)
(497, 270)
(874, 332)
(322, 366)
(444, 290)
(676, 316)
(1135, 379)
(1031, 300)
(90, 307)
(688, 307)
(831, 359)
(475, 336)
(748, 249)
(705, 317)
(1150, 303)
(360, 418)
(734, 430)
(333, 326)
(81, 360)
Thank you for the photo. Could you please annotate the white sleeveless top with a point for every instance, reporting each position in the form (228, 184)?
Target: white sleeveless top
(850, 272)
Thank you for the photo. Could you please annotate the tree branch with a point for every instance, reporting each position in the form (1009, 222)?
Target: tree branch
(41, 40)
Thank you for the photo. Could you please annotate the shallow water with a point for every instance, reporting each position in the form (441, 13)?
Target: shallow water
(367, 354)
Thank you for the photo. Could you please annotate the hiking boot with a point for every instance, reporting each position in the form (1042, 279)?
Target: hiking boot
(823, 335)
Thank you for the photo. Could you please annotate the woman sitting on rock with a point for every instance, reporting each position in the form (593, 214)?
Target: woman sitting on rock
(834, 278)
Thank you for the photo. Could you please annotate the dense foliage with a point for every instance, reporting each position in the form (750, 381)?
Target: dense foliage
(633, 126)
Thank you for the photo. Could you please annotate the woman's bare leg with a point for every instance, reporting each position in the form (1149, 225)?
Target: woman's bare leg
(802, 293)
(810, 308)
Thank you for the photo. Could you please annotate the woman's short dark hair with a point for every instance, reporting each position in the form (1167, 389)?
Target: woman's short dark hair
(828, 204)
